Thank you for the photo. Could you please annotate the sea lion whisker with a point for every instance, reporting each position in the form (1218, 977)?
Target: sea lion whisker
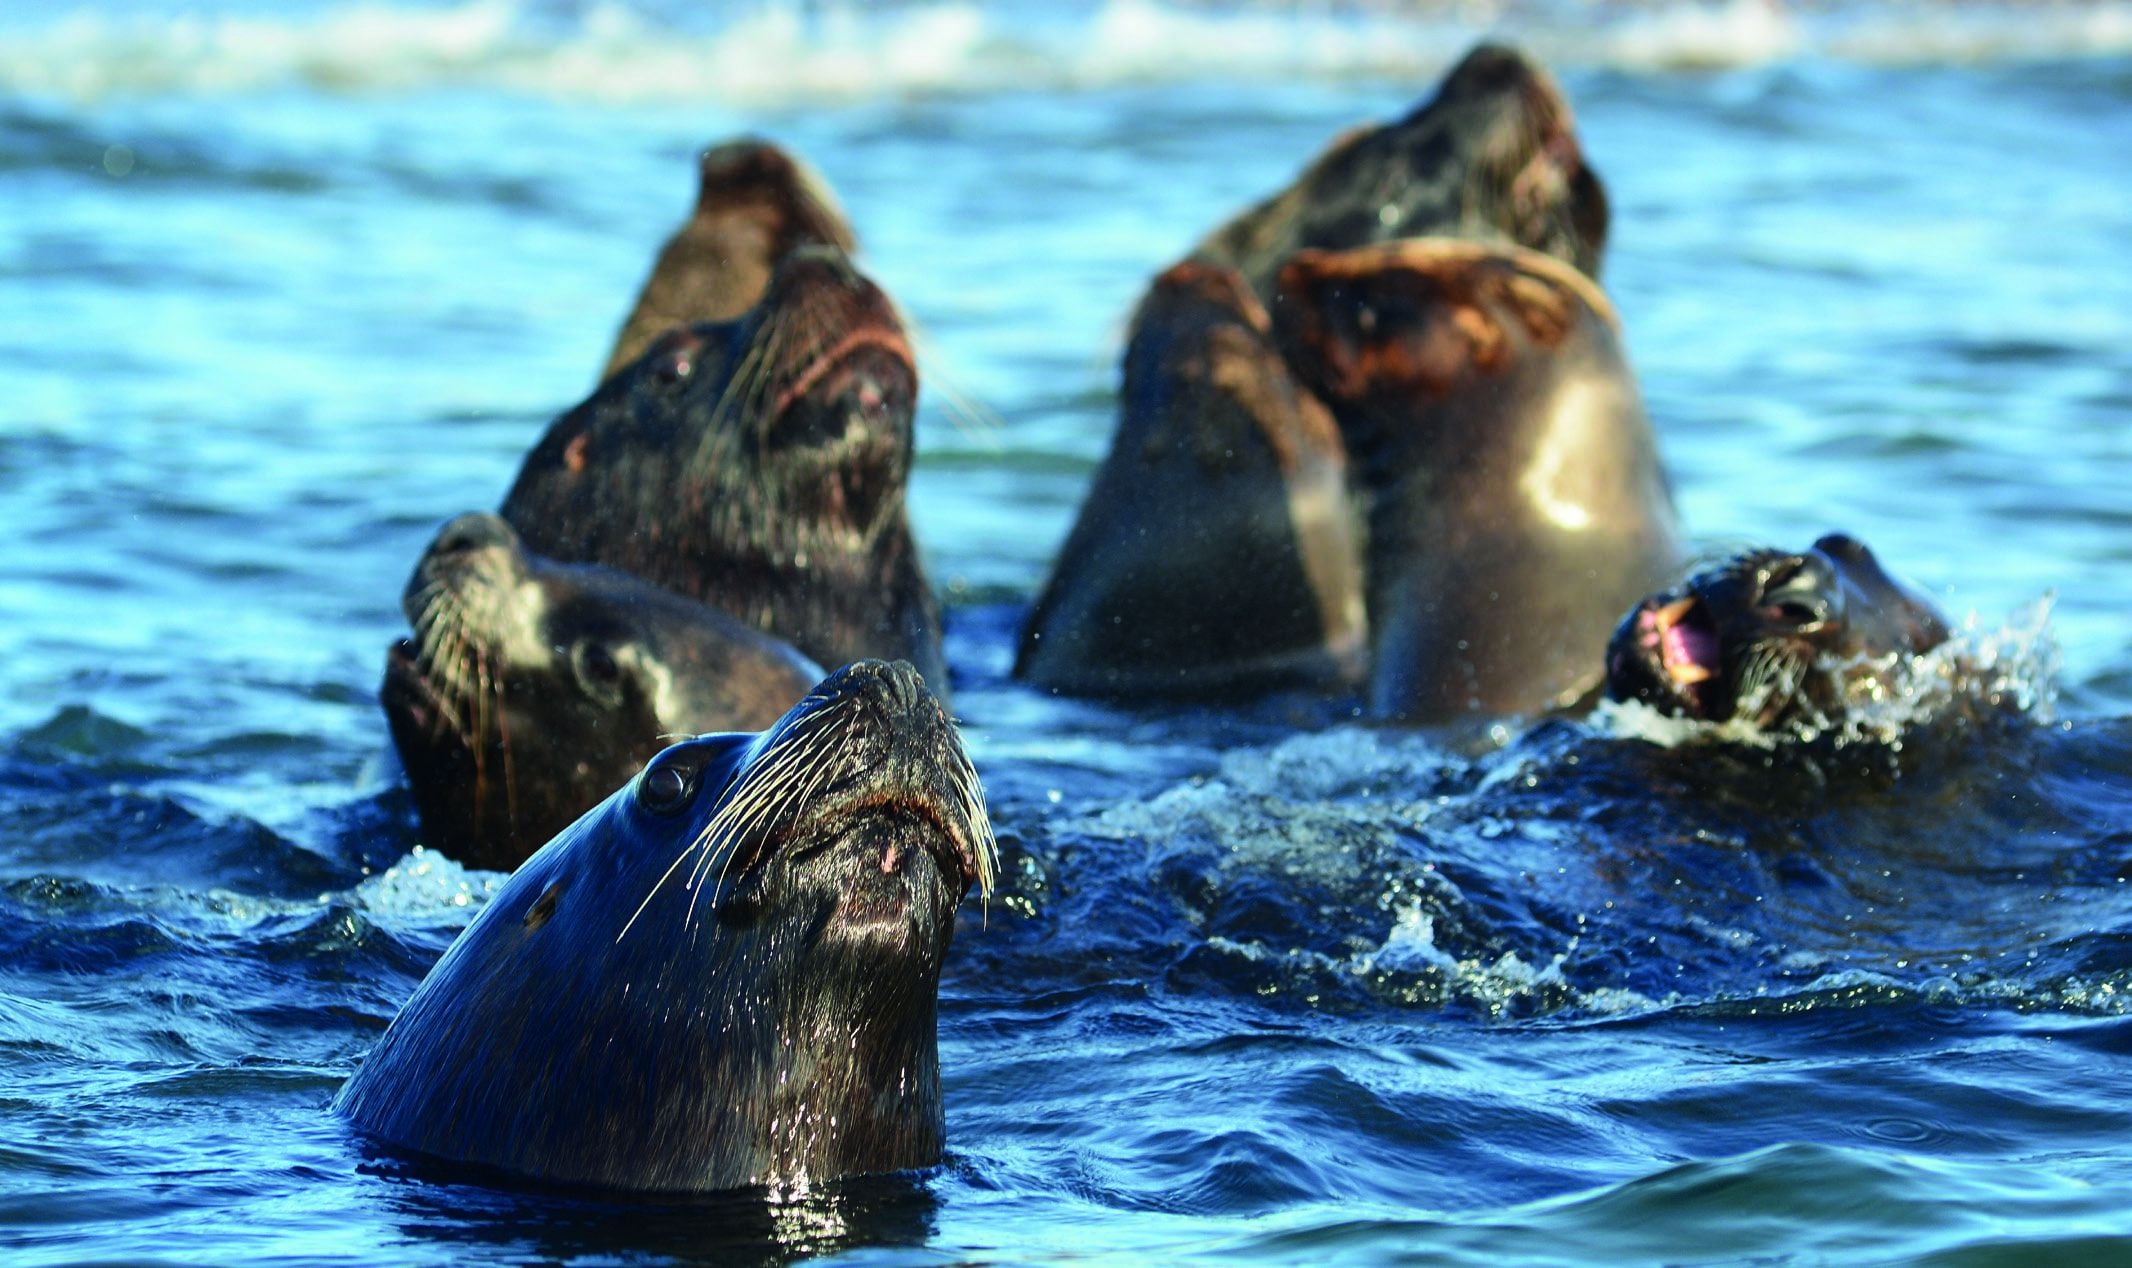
(725, 826)
(656, 886)
(764, 800)
(967, 414)
(787, 995)
(736, 401)
(773, 810)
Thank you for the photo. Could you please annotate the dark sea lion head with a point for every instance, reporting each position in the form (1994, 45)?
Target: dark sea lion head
(1493, 156)
(826, 354)
(783, 437)
(530, 689)
(726, 974)
(1527, 173)
(801, 414)
(1768, 637)
(758, 465)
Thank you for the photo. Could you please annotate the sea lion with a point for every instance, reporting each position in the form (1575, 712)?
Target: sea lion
(755, 204)
(1493, 156)
(725, 974)
(759, 466)
(1772, 638)
(532, 689)
(1217, 548)
(1516, 501)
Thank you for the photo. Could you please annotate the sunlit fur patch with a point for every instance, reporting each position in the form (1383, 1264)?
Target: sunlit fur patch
(1451, 325)
(788, 769)
(458, 660)
(755, 204)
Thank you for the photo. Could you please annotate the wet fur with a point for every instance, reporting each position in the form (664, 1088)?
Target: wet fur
(1516, 499)
(504, 738)
(682, 469)
(674, 1001)
(1217, 551)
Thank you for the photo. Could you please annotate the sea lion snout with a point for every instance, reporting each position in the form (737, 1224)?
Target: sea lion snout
(476, 530)
(1770, 636)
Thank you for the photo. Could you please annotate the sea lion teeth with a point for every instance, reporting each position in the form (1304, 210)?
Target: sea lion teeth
(1688, 672)
(1790, 671)
(1670, 615)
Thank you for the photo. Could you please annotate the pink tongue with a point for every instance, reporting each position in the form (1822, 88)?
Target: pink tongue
(1684, 644)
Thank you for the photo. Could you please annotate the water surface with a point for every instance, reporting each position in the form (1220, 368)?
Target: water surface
(285, 292)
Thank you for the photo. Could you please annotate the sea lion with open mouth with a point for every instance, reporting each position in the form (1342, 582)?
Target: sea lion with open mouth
(1772, 638)
(726, 974)
(1516, 500)
(533, 689)
(1217, 551)
(1493, 156)
(756, 204)
(757, 465)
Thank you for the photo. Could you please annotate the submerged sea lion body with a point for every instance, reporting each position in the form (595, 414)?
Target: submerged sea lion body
(1517, 503)
(755, 205)
(757, 465)
(532, 689)
(1217, 549)
(1493, 156)
(1771, 637)
(726, 974)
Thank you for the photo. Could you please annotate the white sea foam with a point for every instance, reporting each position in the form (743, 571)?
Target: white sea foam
(427, 888)
(771, 54)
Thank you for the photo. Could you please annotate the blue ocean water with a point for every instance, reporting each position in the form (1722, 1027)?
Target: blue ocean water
(285, 291)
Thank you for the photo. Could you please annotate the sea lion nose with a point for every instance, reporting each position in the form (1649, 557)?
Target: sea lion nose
(816, 264)
(906, 687)
(473, 531)
(1843, 548)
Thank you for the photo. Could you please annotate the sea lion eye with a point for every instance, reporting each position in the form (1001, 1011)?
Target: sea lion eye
(598, 663)
(667, 787)
(598, 671)
(1793, 595)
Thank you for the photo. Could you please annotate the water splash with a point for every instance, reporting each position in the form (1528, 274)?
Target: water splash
(1977, 675)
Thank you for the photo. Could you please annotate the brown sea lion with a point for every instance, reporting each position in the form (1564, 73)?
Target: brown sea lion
(759, 466)
(1772, 638)
(1217, 549)
(532, 689)
(725, 974)
(755, 205)
(1517, 504)
(1493, 156)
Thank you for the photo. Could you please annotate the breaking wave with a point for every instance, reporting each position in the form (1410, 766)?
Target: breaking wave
(771, 54)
